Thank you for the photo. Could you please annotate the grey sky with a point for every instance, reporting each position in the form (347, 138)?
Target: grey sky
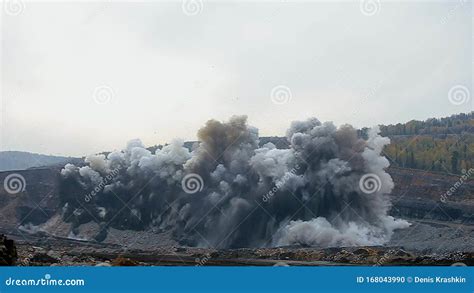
(167, 71)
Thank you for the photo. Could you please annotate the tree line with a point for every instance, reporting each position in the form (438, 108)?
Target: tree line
(444, 145)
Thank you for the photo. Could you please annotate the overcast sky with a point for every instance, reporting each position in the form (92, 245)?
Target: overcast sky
(80, 78)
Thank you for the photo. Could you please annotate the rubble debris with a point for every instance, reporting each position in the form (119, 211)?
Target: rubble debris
(124, 262)
(70, 252)
(43, 258)
(8, 253)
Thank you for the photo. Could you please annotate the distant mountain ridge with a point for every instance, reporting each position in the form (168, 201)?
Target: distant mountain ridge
(436, 144)
(15, 160)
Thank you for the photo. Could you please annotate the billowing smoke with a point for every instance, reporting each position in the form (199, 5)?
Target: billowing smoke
(329, 188)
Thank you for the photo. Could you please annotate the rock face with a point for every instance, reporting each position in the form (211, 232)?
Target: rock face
(8, 254)
(28, 196)
(419, 184)
(424, 195)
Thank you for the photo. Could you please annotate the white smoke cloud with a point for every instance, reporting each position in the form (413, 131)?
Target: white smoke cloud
(315, 199)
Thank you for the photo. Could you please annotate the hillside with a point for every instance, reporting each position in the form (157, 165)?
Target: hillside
(454, 124)
(13, 160)
(442, 145)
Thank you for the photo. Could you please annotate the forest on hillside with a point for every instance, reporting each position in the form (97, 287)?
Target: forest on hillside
(455, 124)
(444, 144)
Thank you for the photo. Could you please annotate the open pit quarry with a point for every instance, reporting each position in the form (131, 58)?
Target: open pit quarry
(252, 205)
(441, 233)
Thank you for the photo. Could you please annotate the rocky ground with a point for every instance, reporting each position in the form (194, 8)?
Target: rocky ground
(40, 249)
(8, 252)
